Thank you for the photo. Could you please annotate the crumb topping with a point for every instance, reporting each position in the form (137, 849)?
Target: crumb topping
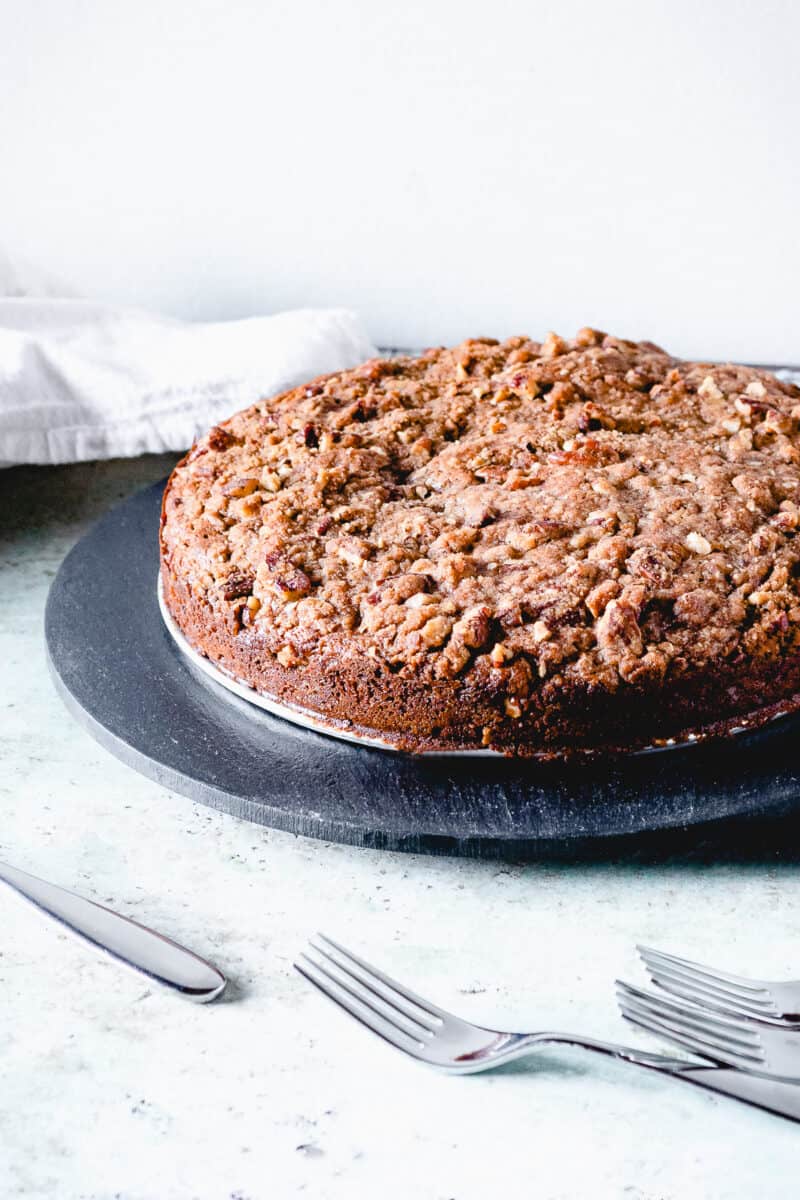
(591, 510)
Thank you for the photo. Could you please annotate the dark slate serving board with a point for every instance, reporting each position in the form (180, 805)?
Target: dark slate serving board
(122, 677)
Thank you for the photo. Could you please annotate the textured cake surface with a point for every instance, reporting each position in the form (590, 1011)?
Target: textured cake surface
(540, 547)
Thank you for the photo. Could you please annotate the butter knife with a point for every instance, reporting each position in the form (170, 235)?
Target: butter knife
(156, 956)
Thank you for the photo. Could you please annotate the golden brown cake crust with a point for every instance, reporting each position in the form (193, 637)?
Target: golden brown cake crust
(570, 546)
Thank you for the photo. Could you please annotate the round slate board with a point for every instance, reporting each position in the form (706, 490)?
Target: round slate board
(121, 675)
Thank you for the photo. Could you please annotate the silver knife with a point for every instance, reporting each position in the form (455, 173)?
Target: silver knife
(154, 955)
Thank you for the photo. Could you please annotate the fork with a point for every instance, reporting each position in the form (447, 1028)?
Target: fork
(758, 999)
(727, 1040)
(436, 1037)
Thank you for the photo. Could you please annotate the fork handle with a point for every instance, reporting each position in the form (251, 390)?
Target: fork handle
(147, 951)
(639, 1058)
(774, 1095)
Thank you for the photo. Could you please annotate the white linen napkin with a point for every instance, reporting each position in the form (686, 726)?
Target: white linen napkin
(79, 380)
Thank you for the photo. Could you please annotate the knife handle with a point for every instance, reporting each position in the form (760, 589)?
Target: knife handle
(154, 955)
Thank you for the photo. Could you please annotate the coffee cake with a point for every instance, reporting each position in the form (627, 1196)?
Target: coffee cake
(544, 548)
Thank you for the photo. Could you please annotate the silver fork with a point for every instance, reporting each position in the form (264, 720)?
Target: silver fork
(729, 1040)
(759, 999)
(433, 1036)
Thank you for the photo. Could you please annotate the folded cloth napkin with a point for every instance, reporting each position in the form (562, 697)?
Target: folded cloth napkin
(79, 380)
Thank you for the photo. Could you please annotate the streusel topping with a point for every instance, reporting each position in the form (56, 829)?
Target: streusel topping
(593, 509)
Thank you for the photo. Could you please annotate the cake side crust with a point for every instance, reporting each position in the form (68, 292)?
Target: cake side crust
(417, 718)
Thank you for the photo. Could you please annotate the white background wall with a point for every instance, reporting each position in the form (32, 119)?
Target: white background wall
(447, 168)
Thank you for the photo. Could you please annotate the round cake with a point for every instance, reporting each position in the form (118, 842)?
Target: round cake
(547, 549)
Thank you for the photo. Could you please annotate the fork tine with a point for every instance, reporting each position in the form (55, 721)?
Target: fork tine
(371, 991)
(759, 1002)
(651, 1025)
(726, 1032)
(361, 1011)
(744, 988)
(694, 1043)
(709, 997)
(393, 992)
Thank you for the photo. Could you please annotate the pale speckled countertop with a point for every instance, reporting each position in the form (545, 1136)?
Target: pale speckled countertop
(111, 1089)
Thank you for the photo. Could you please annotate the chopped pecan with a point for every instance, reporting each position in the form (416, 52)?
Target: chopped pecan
(399, 588)
(250, 610)
(695, 607)
(242, 485)
(237, 585)
(619, 624)
(589, 337)
(293, 585)
(587, 453)
(219, 438)
(290, 580)
(561, 394)
(510, 617)
(472, 629)
(553, 345)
